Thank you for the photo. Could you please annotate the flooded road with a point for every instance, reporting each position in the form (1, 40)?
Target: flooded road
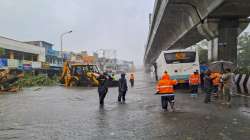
(57, 113)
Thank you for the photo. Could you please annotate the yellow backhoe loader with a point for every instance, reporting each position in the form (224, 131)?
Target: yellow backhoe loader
(78, 74)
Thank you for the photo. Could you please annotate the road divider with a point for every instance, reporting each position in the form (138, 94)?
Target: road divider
(242, 82)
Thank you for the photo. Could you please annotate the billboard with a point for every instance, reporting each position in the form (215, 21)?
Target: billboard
(36, 65)
(3, 62)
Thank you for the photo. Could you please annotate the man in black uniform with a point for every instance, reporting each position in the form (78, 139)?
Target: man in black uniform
(123, 87)
(102, 88)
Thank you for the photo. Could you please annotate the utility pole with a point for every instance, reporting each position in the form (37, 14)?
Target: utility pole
(61, 38)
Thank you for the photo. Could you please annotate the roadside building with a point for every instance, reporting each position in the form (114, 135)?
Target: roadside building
(17, 54)
(53, 57)
(84, 53)
(81, 57)
(125, 66)
(67, 55)
(89, 59)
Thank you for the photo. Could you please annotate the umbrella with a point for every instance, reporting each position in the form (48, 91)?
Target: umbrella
(220, 66)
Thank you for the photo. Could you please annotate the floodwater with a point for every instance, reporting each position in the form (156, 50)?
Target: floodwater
(58, 113)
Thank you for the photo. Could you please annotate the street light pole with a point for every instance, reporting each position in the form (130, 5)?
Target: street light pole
(61, 37)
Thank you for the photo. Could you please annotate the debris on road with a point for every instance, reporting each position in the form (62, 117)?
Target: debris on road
(40, 80)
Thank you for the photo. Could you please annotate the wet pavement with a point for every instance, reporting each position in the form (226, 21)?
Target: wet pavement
(57, 113)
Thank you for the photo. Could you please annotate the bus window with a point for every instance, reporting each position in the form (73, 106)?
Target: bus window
(79, 70)
(180, 57)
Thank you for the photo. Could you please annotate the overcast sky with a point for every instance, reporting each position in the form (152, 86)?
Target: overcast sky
(96, 24)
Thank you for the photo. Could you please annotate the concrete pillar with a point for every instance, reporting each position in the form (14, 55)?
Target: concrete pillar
(12, 55)
(209, 51)
(228, 33)
(213, 50)
(147, 68)
(155, 72)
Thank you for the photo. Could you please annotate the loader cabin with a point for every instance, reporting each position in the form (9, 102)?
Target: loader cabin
(84, 68)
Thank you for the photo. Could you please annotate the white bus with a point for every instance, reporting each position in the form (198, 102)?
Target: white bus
(179, 64)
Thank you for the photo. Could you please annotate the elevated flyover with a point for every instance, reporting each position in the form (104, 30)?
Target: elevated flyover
(182, 23)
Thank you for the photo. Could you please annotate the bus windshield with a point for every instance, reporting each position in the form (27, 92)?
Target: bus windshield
(180, 57)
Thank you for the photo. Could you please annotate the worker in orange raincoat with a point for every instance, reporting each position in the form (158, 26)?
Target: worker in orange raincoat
(194, 81)
(215, 77)
(166, 74)
(165, 88)
(132, 79)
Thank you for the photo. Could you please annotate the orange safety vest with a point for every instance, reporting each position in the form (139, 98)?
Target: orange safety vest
(166, 86)
(194, 79)
(215, 78)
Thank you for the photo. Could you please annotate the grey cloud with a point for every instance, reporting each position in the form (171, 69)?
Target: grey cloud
(111, 24)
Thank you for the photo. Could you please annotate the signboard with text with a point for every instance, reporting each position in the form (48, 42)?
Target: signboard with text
(27, 67)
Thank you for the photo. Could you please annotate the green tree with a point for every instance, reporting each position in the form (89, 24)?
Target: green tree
(244, 50)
